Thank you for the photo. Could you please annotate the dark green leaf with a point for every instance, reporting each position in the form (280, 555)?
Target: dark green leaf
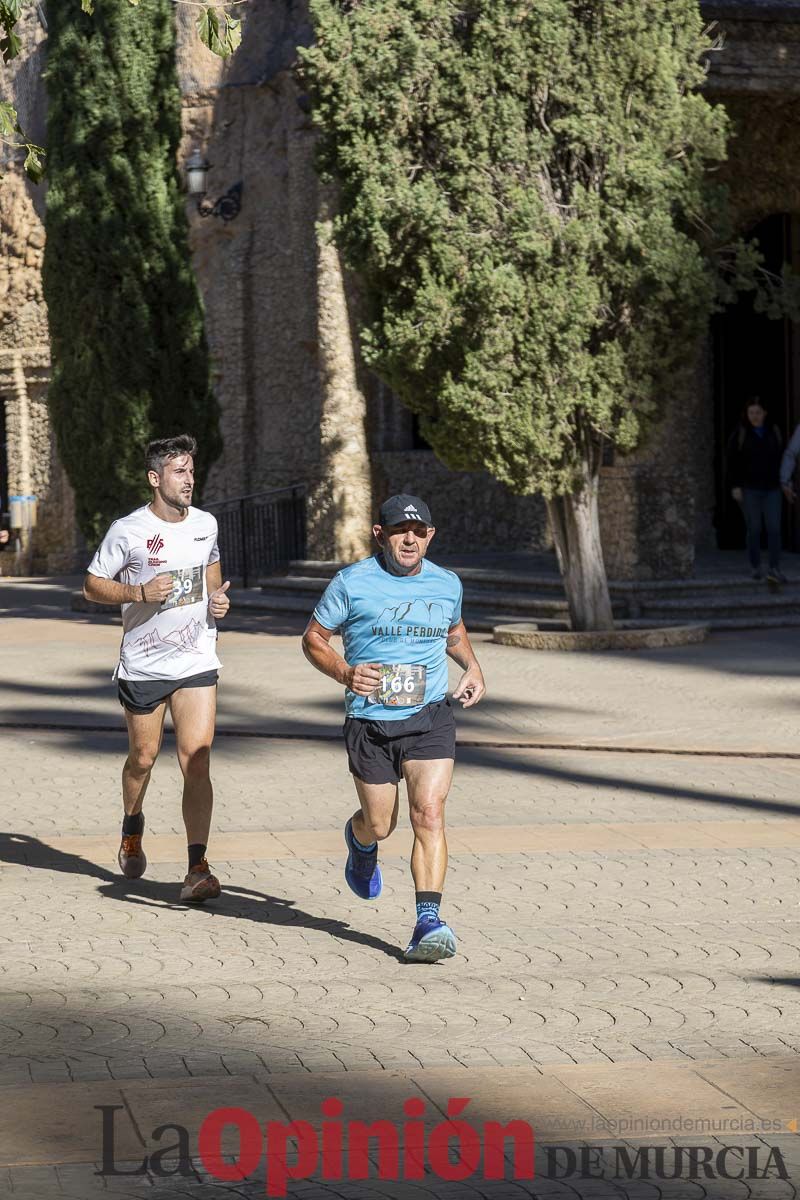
(10, 45)
(8, 119)
(221, 33)
(208, 27)
(34, 166)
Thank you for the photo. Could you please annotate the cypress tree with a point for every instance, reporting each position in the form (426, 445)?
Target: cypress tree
(130, 360)
(523, 193)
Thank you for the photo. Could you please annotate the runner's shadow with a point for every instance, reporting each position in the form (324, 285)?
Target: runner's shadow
(244, 904)
(239, 902)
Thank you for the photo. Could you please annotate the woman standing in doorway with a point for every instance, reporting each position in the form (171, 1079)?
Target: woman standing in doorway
(754, 462)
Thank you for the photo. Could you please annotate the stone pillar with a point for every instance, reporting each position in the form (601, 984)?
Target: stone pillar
(54, 545)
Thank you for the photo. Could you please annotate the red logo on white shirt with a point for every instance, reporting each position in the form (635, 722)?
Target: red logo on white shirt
(155, 544)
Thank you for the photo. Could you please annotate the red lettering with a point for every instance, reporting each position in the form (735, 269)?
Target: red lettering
(469, 1144)
(494, 1138)
(332, 1139)
(414, 1140)
(358, 1136)
(209, 1143)
(278, 1170)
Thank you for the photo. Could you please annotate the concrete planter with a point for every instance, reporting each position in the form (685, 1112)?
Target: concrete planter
(530, 637)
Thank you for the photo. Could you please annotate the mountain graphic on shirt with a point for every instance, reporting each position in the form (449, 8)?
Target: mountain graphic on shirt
(187, 637)
(180, 641)
(147, 643)
(413, 612)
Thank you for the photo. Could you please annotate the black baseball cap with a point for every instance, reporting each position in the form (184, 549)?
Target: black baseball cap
(398, 509)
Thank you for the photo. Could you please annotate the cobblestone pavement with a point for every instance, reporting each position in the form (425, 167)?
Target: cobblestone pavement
(604, 987)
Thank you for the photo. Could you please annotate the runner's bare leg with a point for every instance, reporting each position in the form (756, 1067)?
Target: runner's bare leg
(194, 713)
(428, 782)
(377, 817)
(145, 733)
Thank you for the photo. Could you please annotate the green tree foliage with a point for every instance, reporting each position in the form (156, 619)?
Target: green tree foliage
(523, 193)
(130, 360)
(216, 27)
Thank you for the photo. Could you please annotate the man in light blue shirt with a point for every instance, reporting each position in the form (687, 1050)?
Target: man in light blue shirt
(400, 617)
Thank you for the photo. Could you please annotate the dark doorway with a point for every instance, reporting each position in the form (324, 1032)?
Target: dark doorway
(756, 356)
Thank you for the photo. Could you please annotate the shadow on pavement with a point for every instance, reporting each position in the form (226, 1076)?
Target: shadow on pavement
(498, 759)
(241, 903)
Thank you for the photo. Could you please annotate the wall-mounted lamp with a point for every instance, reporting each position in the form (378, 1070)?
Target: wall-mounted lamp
(227, 206)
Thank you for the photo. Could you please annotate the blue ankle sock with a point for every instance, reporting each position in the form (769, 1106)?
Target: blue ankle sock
(359, 846)
(428, 904)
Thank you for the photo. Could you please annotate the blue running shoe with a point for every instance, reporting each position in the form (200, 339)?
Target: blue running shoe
(431, 940)
(361, 871)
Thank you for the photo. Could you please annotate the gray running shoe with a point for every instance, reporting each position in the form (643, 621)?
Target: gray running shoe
(131, 857)
(200, 884)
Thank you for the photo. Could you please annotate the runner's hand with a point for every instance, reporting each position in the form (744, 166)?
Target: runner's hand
(157, 589)
(364, 678)
(789, 492)
(4, 536)
(218, 602)
(471, 687)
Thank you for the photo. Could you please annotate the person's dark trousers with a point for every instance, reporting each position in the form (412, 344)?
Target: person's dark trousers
(758, 504)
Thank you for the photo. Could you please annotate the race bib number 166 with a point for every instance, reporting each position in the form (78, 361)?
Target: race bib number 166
(402, 685)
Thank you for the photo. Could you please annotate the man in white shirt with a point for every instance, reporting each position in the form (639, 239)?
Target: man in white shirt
(161, 563)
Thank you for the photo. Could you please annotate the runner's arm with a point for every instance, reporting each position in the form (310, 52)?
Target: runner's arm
(361, 679)
(218, 602)
(471, 686)
(100, 590)
(213, 576)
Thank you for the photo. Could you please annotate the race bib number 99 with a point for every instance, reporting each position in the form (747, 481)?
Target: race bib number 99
(187, 587)
(402, 685)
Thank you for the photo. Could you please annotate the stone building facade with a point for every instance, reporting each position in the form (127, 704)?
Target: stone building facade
(30, 464)
(282, 317)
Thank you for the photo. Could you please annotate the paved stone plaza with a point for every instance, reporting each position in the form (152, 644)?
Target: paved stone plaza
(625, 839)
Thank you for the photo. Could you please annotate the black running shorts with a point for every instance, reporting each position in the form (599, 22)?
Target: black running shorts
(376, 750)
(142, 696)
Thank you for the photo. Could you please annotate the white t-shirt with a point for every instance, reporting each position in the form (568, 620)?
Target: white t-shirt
(177, 638)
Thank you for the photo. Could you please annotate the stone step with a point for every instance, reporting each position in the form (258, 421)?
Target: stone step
(544, 584)
(721, 606)
(476, 598)
(480, 576)
(786, 621)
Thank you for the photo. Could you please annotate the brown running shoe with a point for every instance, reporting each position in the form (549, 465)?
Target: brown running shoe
(200, 884)
(131, 858)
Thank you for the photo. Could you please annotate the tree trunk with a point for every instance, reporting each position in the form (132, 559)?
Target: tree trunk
(576, 529)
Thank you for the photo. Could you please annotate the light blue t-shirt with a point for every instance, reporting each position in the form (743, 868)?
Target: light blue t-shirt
(397, 620)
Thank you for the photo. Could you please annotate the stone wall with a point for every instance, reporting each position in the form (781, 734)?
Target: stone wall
(646, 523)
(472, 512)
(33, 467)
(657, 504)
(278, 307)
(760, 53)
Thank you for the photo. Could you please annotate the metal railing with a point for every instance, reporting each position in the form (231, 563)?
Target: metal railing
(261, 533)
